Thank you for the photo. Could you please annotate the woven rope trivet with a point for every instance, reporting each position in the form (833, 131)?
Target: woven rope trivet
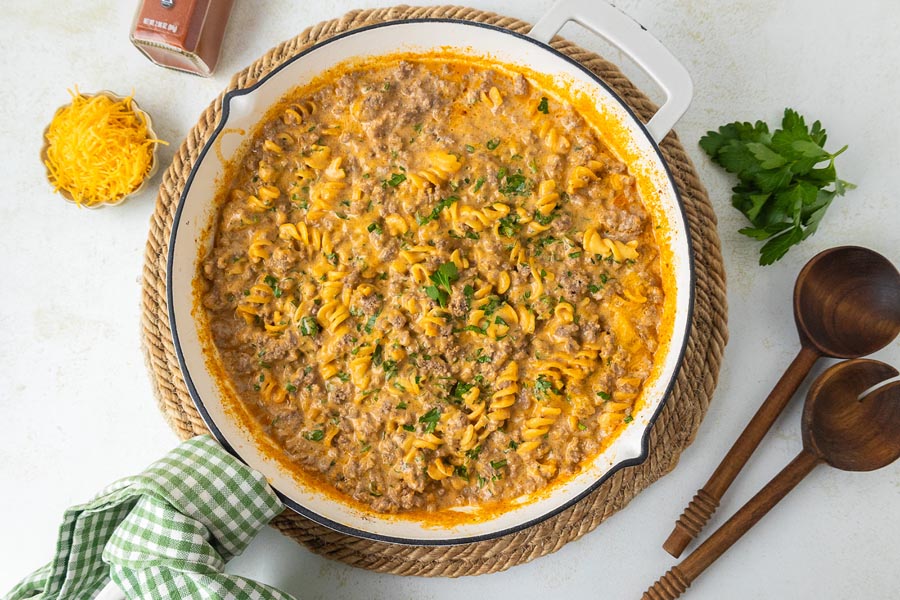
(673, 432)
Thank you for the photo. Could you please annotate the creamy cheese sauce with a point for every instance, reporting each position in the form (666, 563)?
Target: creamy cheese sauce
(432, 285)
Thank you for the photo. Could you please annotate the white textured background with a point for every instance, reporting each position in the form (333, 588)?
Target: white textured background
(75, 400)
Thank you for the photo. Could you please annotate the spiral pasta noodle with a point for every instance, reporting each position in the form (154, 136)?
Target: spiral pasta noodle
(433, 285)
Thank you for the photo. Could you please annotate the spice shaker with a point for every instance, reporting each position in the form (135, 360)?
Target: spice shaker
(185, 35)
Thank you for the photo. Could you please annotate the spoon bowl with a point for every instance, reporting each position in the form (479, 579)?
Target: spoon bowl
(846, 305)
(847, 302)
(850, 431)
(843, 426)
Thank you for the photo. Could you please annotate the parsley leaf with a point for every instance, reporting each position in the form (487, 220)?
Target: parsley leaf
(436, 211)
(430, 419)
(543, 386)
(516, 185)
(509, 225)
(459, 391)
(469, 294)
(390, 368)
(445, 275)
(780, 189)
(542, 106)
(395, 180)
(308, 326)
(316, 435)
(370, 323)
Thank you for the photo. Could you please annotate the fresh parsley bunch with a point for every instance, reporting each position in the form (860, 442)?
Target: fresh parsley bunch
(780, 189)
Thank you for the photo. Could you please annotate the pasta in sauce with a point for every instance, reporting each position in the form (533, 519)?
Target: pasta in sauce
(432, 285)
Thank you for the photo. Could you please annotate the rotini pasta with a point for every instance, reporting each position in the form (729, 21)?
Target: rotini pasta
(434, 293)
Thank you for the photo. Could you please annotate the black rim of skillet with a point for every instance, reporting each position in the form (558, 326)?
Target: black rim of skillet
(352, 531)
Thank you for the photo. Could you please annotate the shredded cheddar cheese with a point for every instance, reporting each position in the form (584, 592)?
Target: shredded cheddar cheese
(98, 149)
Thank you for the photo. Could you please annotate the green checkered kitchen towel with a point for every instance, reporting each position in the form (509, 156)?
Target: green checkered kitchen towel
(166, 533)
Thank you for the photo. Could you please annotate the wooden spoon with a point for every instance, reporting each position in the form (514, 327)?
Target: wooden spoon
(846, 305)
(840, 428)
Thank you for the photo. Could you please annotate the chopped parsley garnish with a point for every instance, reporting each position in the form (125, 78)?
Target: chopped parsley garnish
(543, 106)
(628, 419)
(478, 183)
(604, 395)
(542, 243)
(494, 302)
(574, 254)
(459, 391)
(544, 219)
(543, 386)
(316, 435)
(473, 453)
(498, 464)
(376, 227)
(436, 211)
(343, 377)
(445, 275)
(378, 355)
(516, 185)
(273, 283)
(409, 427)
(592, 288)
(430, 419)
(492, 144)
(401, 405)
(291, 388)
(308, 326)
(509, 225)
(370, 323)
(390, 368)
(395, 180)
(461, 471)
(469, 294)
(470, 148)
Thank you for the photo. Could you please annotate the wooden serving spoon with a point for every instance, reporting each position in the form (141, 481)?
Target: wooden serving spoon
(846, 305)
(840, 428)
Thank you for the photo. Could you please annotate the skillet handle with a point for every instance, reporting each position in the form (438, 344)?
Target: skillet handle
(630, 36)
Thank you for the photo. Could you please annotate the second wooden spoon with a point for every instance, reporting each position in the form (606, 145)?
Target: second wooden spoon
(846, 305)
(840, 428)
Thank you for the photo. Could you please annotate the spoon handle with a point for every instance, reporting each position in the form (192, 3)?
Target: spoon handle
(679, 578)
(705, 503)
